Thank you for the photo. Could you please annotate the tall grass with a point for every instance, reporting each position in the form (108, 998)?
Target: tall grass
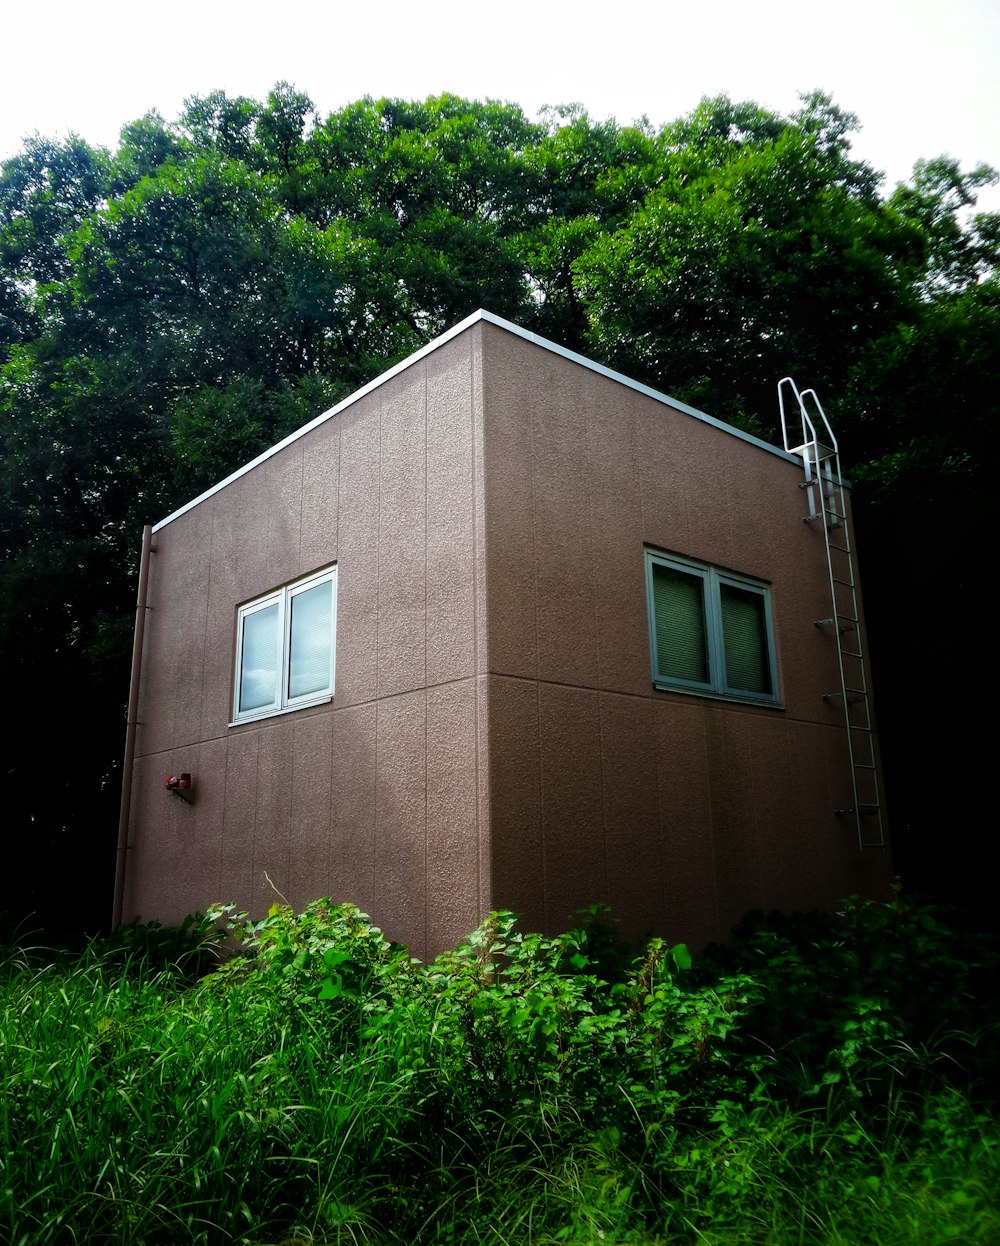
(321, 1088)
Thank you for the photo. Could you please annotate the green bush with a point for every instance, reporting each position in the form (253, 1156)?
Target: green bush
(869, 995)
(820, 1080)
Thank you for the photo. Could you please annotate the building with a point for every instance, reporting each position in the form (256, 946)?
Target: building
(503, 629)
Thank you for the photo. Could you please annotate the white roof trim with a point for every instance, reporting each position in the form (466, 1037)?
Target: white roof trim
(467, 323)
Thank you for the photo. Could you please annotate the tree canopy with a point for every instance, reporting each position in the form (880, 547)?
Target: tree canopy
(170, 308)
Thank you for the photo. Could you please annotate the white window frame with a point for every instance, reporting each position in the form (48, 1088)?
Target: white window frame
(712, 580)
(283, 598)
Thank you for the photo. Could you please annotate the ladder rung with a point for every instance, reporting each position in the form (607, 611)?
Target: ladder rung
(855, 699)
(841, 627)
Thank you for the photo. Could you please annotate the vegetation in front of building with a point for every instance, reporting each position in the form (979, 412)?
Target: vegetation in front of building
(819, 1080)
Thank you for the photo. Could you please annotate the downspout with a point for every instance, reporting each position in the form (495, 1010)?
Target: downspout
(133, 709)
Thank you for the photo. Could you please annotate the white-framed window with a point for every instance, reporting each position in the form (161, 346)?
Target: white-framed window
(286, 648)
(710, 631)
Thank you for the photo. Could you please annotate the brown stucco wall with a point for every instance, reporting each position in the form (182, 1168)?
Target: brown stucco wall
(376, 798)
(494, 740)
(680, 811)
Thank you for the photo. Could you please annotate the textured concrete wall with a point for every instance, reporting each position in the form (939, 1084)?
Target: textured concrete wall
(680, 811)
(376, 797)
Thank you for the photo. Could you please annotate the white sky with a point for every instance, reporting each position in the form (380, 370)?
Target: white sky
(923, 75)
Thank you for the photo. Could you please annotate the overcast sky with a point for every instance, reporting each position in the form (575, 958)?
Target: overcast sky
(923, 76)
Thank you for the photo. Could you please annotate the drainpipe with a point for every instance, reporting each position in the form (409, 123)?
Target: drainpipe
(133, 709)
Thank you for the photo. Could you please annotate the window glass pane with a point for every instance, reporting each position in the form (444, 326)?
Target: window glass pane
(310, 637)
(679, 610)
(259, 668)
(744, 631)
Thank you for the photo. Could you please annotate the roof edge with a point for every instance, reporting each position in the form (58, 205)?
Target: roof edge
(475, 318)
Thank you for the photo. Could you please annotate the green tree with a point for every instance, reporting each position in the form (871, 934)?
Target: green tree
(587, 179)
(45, 193)
(170, 309)
(761, 249)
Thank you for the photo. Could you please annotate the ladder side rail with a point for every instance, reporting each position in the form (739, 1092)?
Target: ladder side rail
(827, 501)
(786, 438)
(832, 491)
(831, 440)
(845, 703)
(813, 464)
(833, 486)
(865, 804)
(803, 443)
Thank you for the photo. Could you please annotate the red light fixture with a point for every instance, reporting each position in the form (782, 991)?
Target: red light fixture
(179, 784)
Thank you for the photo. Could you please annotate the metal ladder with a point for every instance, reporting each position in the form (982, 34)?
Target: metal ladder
(812, 440)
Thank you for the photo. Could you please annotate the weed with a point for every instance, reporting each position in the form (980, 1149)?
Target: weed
(319, 1086)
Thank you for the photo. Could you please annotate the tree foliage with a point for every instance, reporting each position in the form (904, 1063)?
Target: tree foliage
(170, 308)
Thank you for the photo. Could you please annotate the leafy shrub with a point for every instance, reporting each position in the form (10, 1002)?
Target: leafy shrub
(319, 1086)
(188, 950)
(869, 995)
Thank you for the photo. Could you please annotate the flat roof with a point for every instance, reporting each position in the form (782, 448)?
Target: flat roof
(467, 323)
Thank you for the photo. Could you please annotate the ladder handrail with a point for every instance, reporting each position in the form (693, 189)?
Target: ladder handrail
(807, 425)
(827, 503)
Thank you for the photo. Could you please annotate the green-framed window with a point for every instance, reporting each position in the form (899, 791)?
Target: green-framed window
(710, 631)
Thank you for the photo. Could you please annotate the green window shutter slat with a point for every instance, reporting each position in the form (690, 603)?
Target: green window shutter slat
(681, 635)
(744, 632)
